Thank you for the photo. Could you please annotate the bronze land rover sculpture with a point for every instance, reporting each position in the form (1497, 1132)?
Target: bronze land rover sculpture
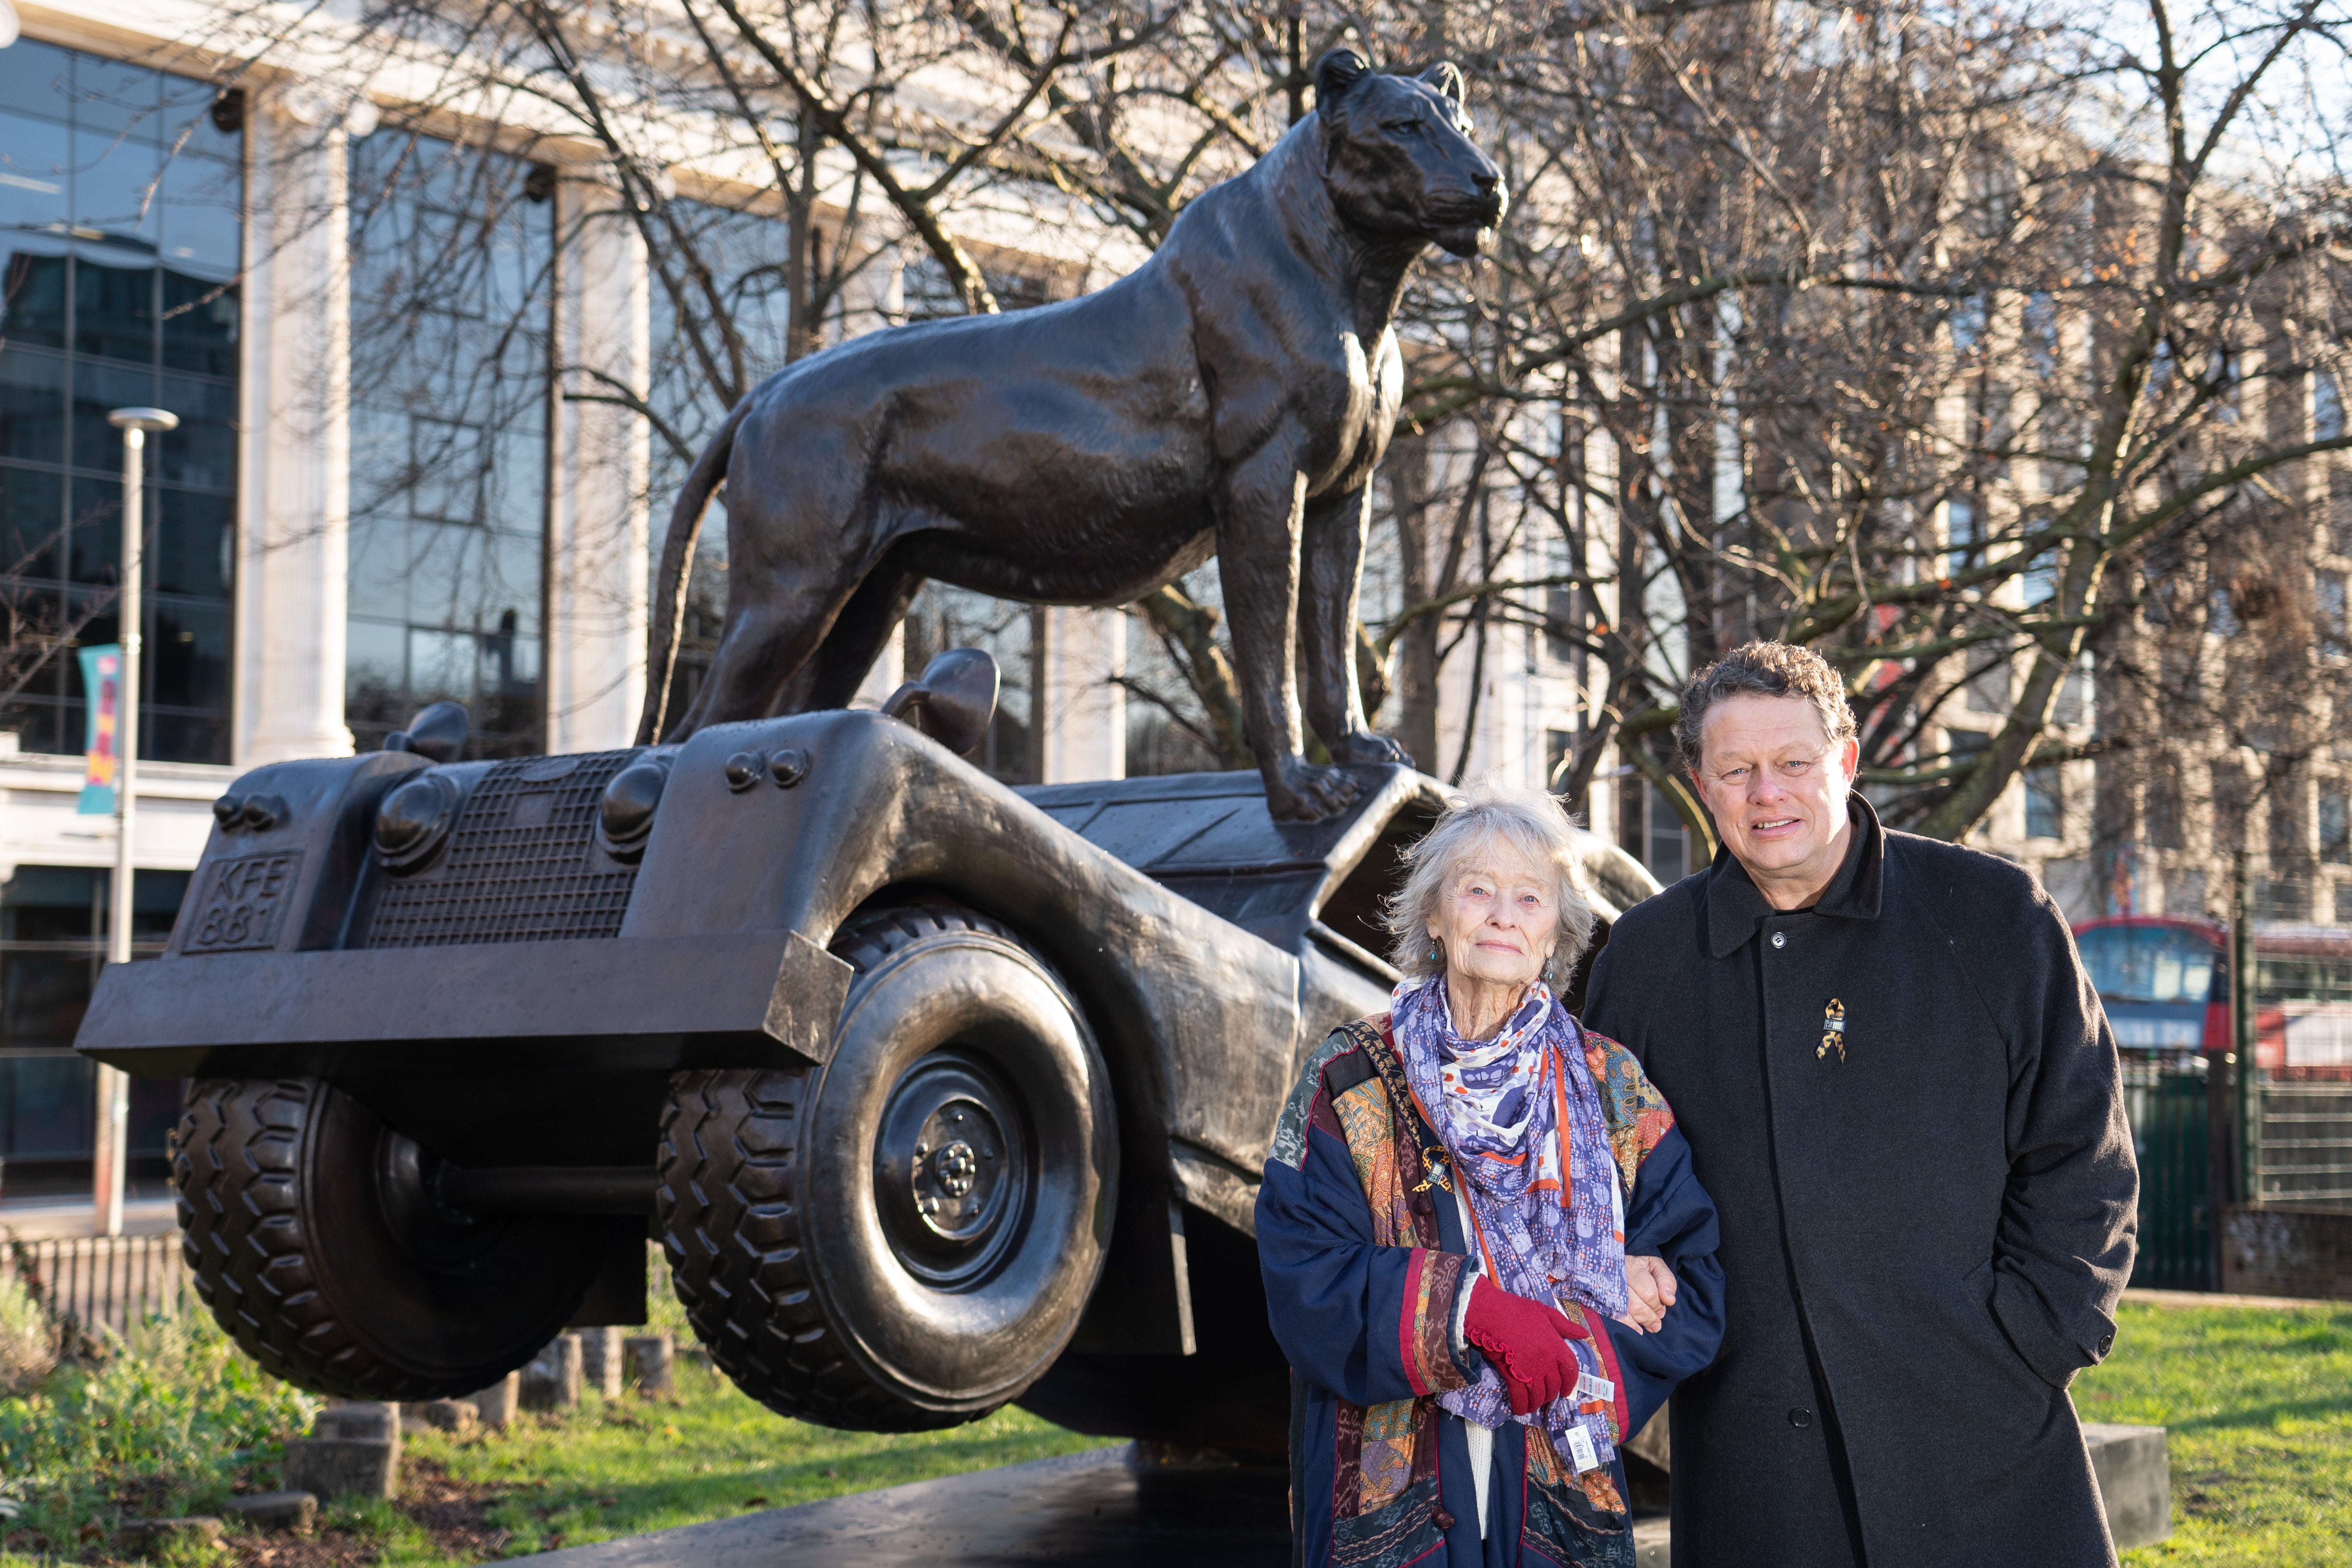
(939, 1093)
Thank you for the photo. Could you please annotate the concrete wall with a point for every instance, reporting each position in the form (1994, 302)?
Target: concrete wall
(2287, 1252)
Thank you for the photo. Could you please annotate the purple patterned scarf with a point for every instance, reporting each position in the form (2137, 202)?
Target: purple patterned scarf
(1547, 1206)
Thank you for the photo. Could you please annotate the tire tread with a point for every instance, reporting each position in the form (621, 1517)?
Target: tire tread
(730, 1227)
(236, 1171)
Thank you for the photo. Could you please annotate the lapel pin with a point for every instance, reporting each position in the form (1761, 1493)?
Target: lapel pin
(1832, 1030)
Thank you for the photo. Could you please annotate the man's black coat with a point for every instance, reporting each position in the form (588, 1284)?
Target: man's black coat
(1927, 1215)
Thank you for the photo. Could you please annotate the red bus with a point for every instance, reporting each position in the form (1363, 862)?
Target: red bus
(2165, 981)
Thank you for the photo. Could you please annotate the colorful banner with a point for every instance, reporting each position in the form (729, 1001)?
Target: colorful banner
(101, 684)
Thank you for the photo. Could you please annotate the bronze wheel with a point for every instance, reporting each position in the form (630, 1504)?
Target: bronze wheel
(312, 1232)
(905, 1237)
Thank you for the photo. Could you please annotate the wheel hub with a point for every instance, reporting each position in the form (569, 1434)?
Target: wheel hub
(440, 1236)
(950, 1171)
(954, 1168)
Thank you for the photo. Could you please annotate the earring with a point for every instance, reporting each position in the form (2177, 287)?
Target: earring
(1435, 952)
(1548, 958)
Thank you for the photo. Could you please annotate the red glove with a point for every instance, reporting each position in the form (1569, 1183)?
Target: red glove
(1525, 1339)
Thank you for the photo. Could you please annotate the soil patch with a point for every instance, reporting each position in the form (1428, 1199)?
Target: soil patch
(452, 1514)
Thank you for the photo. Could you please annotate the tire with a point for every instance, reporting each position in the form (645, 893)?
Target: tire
(306, 1226)
(792, 1202)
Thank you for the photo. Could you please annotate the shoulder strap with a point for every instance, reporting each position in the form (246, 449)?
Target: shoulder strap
(1433, 1158)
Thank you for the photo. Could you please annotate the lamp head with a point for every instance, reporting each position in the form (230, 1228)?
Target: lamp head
(150, 420)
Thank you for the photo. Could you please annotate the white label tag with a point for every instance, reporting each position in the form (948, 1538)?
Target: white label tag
(1593, 1386)
(1579, 1450)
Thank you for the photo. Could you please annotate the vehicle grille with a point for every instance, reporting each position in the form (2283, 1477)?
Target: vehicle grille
(520, 865)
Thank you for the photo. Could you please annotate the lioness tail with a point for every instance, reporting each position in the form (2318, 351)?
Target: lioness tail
(667, 628)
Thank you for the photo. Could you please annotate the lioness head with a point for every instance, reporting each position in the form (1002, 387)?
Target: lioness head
(1397, 158)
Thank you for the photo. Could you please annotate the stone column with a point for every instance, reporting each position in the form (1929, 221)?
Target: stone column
(294, 397)
(596, 586)
(1085, 713)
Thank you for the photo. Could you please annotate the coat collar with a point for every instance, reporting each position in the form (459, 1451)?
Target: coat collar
(1735, 906)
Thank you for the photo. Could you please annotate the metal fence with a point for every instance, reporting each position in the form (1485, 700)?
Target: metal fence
(88, 1280)
(2305, 1158)
(2166, 1106)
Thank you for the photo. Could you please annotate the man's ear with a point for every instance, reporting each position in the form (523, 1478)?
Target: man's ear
(1335, 73)
(1446, 77)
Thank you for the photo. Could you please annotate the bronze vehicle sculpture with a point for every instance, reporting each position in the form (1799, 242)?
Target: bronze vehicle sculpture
(939, 1093)
(1233, 393)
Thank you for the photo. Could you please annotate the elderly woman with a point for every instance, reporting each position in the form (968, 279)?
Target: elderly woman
(1484, 1253)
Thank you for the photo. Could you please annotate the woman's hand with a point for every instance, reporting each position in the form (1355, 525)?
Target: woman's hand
(1649, 1291)
(1526, 1342)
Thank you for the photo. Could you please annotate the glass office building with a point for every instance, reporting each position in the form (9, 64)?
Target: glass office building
(452, 287)
(119, 199)
(121, 193)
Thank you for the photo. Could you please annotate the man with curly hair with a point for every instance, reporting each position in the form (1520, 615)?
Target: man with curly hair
(1900, 1087)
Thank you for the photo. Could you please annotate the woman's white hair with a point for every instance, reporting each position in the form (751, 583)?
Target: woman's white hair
(1532, 822)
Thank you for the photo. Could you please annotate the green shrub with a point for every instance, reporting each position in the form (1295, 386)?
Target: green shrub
(29, 1340)
(174, 1405)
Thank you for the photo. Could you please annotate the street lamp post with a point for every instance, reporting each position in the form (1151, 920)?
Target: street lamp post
(114, 1085)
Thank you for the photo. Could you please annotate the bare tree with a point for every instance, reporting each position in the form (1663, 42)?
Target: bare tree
(1901, 332)
(1975, 305)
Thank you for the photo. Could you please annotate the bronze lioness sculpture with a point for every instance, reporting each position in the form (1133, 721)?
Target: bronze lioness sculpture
(1235, 392)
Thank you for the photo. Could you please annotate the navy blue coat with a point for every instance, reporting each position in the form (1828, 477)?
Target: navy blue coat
(1362, 1276)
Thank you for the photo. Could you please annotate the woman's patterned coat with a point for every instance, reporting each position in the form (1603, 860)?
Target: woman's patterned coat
(1365, 1264)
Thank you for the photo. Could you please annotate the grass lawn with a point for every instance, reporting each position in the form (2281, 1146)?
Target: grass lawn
(631, 1465)
(2258, 1405)
(178, 1422)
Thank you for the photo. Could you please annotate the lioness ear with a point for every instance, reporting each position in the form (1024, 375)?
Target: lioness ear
(1446, 77)
(1335, 73)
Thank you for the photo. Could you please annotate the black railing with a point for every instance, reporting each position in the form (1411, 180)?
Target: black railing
(89, 1282)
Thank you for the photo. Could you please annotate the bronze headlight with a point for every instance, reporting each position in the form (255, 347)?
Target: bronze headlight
(414, 823)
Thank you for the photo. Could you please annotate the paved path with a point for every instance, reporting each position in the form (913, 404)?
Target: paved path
(1090, 1507)
(1094, 1508)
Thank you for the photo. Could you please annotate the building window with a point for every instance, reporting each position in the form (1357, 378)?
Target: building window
(943, 617)
(1988, 689)
(747, 254)
(2329, 605)
(2343, 902)
(1963, 533)
(2232, 789)
(121, 201)
(2327, 408)
(2335, 827)
(2039, 582)
(2339, 510)
(2222, 611)
(2040, 338)
(2184, 892)
(53, 934)
(452, 252)
(2075, 695)
(2165, 806)
(1650, 830)
(1561, 621)
(1966, 322)
(2285, 899)
(2045, 804)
